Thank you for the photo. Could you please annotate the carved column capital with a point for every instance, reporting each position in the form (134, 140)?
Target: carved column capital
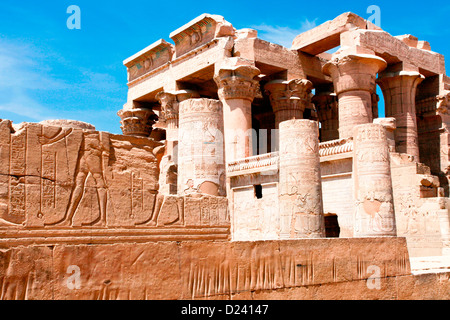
(137, 122)
(169, 106)
(326, 106)
(354, 71)
(289, 95)
(169, 101)
(327, 110)
(354, 80)
(237, 82)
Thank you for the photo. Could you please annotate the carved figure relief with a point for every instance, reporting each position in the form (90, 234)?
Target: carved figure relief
(85, 178)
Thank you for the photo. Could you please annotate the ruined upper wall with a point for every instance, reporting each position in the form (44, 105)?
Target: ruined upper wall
(327, 35)
(351, 31)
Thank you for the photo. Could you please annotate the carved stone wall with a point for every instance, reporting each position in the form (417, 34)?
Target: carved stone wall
(422, 219)
(206, 270)
(57, 178)
(337, 192)
(255, 212)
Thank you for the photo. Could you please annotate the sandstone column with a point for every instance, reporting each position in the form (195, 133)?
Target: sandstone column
(374, 208)
(237, 88)
(137, 122)
(300, 186)
(399, 90)
(289, 99)
(327, 110)
(201, 167)
(169, 117)
(354, 78)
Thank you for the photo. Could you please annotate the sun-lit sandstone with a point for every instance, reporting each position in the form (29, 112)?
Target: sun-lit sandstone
(246, 170)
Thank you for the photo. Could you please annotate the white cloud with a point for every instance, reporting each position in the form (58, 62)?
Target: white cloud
(22, 105)
(23, 69)
(283, 35)
(40, 84)
(23, 66)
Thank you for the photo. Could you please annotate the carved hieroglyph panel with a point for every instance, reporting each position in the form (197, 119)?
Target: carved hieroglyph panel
(55, 178)
(69, 177)
(338, 199)
(253, 218)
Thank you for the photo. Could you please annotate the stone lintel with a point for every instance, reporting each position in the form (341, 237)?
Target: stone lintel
(395, 50)
(327, 35)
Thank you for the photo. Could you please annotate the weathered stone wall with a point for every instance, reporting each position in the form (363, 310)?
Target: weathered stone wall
(253, 217)
(337, 192)
(58, 178)
(201, 269)
(422, 219)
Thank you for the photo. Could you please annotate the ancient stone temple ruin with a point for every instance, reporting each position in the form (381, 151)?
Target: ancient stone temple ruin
(246, 170)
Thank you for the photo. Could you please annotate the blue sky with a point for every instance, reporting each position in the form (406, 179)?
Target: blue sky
(48, 71)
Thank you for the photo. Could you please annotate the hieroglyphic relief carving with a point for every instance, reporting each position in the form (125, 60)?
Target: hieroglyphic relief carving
(255, 218)
(92, 161)
(327, 110)
(201, 166)
(17, 179)
(77, 178)
(85, 178)
(199, 31)
(374, 213)
(49, 178)
(152, 57)
(300, 189)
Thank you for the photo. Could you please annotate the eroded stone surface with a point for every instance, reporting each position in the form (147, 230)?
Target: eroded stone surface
(175, 208)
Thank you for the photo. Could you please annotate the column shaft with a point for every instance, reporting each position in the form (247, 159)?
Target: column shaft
(201, 167)
(300, 186)
(374, 207)
(399, 90)
(237, 87)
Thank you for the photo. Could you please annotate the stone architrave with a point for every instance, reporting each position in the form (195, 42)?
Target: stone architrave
(399, 90)
(137, 122)
(327, 110)
(201, 166)
(374, 207)
(300, 186)
(237, 87)
(289, 99)
(354, 78)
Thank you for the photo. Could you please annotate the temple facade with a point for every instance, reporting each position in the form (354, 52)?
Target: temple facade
(246, 170)
(292, 136)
